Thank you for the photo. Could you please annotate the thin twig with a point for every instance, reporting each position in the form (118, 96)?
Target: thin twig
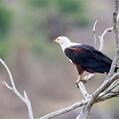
(9, 87)
(101, 37)
(94, 34)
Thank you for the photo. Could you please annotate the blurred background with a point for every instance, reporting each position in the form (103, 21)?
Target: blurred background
(27, 29)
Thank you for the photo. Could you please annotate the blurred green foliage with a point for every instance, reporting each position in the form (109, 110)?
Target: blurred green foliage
(5, 48)
(71, 11)
(40, 21)
(69, 6)
(5, 20)
(74, 10)
(40, 3)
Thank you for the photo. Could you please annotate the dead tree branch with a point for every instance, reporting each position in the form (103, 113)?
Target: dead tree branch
(13, 88)
(77, 105)
(94, 34)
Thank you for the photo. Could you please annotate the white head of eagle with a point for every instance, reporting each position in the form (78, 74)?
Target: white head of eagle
(85, 57)
(64, 42)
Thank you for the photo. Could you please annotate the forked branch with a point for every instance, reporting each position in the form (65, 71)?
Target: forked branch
(13, 88)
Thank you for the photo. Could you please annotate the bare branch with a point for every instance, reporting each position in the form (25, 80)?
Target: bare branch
(105, 85)
(78, 117)
(107, 96)
(77, 105)
(88, 77)
(101, 37)
(13, 88)
(82, 103)
(94, 34)
(85, 111)
(5, 83)
(111, 87)
(84, 91)
(116, 32)
(64, 110)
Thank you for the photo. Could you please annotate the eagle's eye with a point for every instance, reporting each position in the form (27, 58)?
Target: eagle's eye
(57, 40)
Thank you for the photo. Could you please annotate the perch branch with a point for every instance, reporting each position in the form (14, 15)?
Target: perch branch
(79, 104)
(84, 91)
(64, 110)
(94, 99)
(24, 98)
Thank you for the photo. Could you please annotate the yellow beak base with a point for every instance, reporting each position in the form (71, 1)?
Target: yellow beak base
(57, 40)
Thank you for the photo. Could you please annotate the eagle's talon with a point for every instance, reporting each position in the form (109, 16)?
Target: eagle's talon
(77, 84)
(84, 81)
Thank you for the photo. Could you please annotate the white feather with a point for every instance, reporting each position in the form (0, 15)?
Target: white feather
(65, 42)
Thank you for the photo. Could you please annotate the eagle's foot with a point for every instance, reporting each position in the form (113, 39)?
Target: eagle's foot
(77, 84)
(78, 81)
(84, 81)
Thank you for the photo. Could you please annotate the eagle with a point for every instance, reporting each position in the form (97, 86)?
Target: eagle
(86, 58)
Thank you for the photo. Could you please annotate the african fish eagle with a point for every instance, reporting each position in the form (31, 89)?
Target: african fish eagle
(84, 57)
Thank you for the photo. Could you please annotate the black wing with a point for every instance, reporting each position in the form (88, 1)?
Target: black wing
(89, 58)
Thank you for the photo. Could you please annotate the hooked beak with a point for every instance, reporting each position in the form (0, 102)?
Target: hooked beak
(55, 41)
